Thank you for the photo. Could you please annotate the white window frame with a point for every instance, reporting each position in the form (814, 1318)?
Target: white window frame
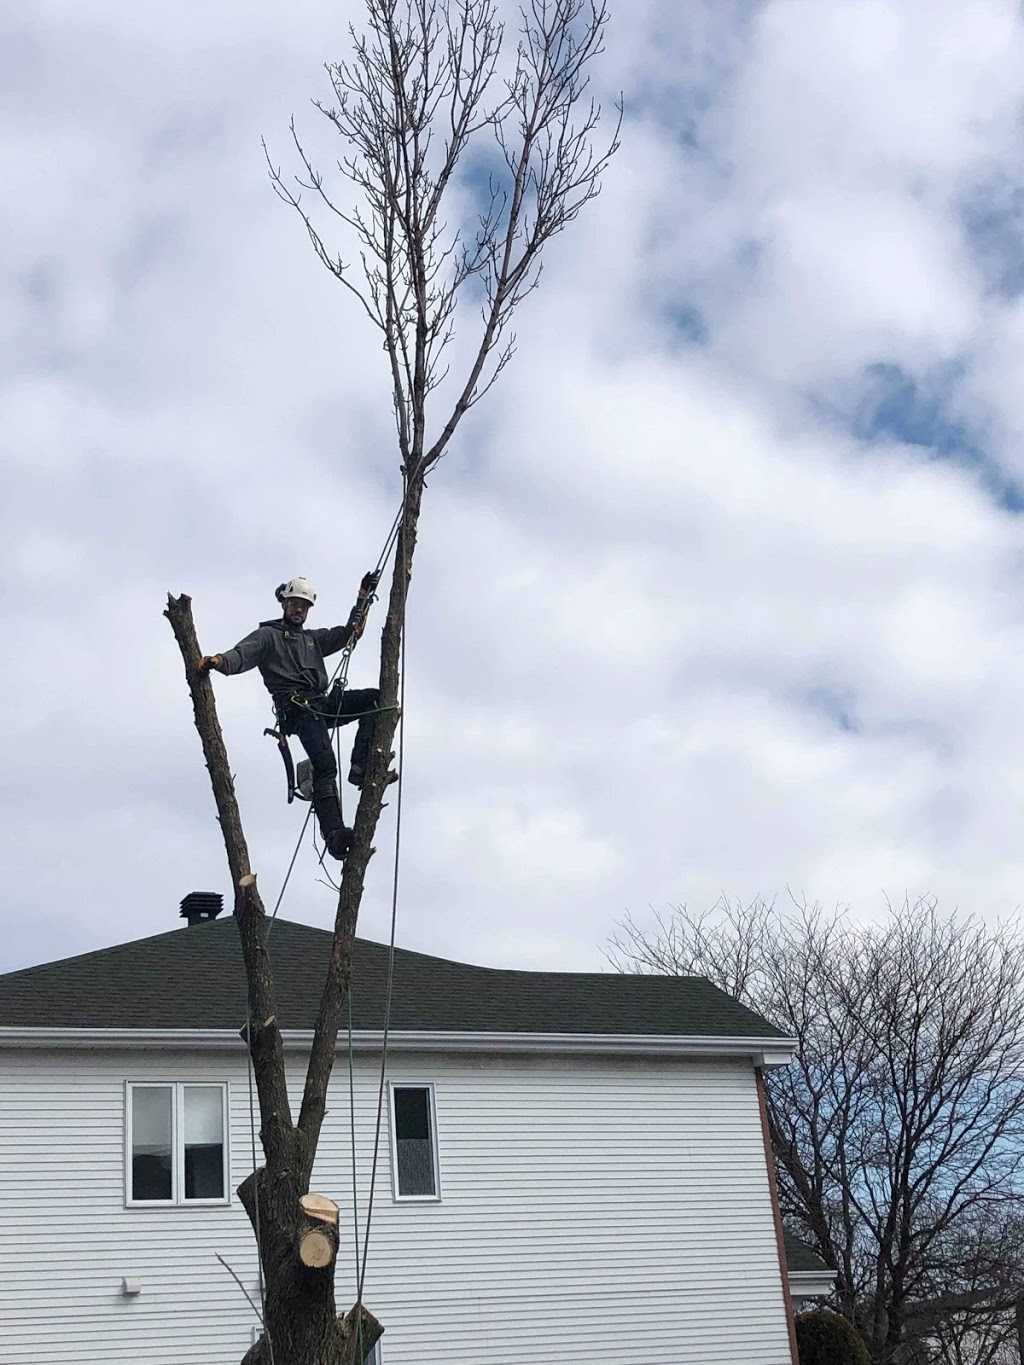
(177, 1199)
(435, 1154)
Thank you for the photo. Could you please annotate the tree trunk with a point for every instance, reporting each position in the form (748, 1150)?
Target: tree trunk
(300, 1312)
(301, 1316)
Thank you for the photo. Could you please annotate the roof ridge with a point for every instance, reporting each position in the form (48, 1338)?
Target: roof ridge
(217, 926)
(193, 976)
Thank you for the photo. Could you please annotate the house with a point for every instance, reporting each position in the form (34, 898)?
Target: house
(572, 1166)
(810, 1279)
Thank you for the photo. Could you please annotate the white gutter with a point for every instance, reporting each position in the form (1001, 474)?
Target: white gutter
(763, 1052)
(810, 1284)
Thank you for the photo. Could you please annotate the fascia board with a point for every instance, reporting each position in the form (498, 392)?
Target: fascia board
(764, 1052)
(812, 1282)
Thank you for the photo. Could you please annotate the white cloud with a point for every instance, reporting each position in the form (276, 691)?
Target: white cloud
(672, 631)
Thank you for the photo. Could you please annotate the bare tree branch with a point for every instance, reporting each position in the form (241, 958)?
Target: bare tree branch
(899, 1132)
(422, 85)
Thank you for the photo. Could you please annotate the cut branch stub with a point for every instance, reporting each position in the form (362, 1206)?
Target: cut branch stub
(317, 1231)
(318, 1206)
(317, 1248)
(358, 1335)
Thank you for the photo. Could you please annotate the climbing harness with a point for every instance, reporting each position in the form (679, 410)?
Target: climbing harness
(299, 778)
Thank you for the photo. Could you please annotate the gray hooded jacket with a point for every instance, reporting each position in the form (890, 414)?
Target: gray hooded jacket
(289, 658)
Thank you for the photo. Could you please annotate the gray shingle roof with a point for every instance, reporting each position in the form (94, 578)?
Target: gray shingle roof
(192, 978)
(801, 1257)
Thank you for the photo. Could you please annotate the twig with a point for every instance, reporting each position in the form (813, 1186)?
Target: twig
(240, 1285)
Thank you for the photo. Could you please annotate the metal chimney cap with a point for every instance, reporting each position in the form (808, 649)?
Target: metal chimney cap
(199, 906)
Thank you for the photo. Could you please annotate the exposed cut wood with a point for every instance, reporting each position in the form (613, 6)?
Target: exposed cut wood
(319, 1206)
(317, 1231)
(316, 1248)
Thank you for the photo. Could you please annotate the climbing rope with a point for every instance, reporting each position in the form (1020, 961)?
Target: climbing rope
(256, 1189)
(341, 673)
(389, 991)
(352, 1129)
(287, 875)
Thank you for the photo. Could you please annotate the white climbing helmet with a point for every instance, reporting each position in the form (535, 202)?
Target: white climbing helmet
(297, 587)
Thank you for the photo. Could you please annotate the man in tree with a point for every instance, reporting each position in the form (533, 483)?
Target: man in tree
(291, 662)
(451, 77)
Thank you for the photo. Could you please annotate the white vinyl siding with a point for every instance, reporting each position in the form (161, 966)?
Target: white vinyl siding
(63, 1154)
(594, 1209)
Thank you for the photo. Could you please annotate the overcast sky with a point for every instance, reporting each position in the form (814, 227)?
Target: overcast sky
(719, 591)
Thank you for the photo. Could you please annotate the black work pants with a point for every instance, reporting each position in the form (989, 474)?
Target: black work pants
(312, 725)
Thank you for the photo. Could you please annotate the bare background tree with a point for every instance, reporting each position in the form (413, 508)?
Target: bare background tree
(898, 1132)
(437, 107)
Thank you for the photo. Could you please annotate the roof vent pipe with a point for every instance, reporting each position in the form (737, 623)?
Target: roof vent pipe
(200, 906)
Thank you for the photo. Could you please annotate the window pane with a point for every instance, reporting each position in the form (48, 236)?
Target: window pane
(414, 1141)
(203, 1126)
(151, 1142)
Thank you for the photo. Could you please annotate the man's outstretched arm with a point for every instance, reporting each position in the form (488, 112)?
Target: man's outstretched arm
(245, 655)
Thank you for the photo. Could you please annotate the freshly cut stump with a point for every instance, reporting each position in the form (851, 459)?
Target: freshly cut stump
(318, 1231)
(316, 1249)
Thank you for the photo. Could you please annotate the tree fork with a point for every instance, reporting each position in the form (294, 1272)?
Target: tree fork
(301, 1317)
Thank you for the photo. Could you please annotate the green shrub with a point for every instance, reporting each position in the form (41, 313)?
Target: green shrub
(825, 1338)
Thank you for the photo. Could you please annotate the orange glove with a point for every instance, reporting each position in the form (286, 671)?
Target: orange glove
(209, 661)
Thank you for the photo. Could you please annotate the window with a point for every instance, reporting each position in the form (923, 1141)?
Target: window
(176, 1151)
(414, 1142)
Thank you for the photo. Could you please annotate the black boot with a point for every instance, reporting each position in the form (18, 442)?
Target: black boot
(339, 842)
(336, 834)
(357, 774)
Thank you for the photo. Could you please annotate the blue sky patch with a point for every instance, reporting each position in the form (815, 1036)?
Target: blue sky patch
(835, 704)
(892, 405)
(688, 323)
(993, 222)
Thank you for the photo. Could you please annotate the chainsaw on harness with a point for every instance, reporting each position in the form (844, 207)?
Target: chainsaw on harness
(300, 779)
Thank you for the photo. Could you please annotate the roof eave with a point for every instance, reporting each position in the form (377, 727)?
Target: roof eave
(763, 1052)
(812, 1283)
